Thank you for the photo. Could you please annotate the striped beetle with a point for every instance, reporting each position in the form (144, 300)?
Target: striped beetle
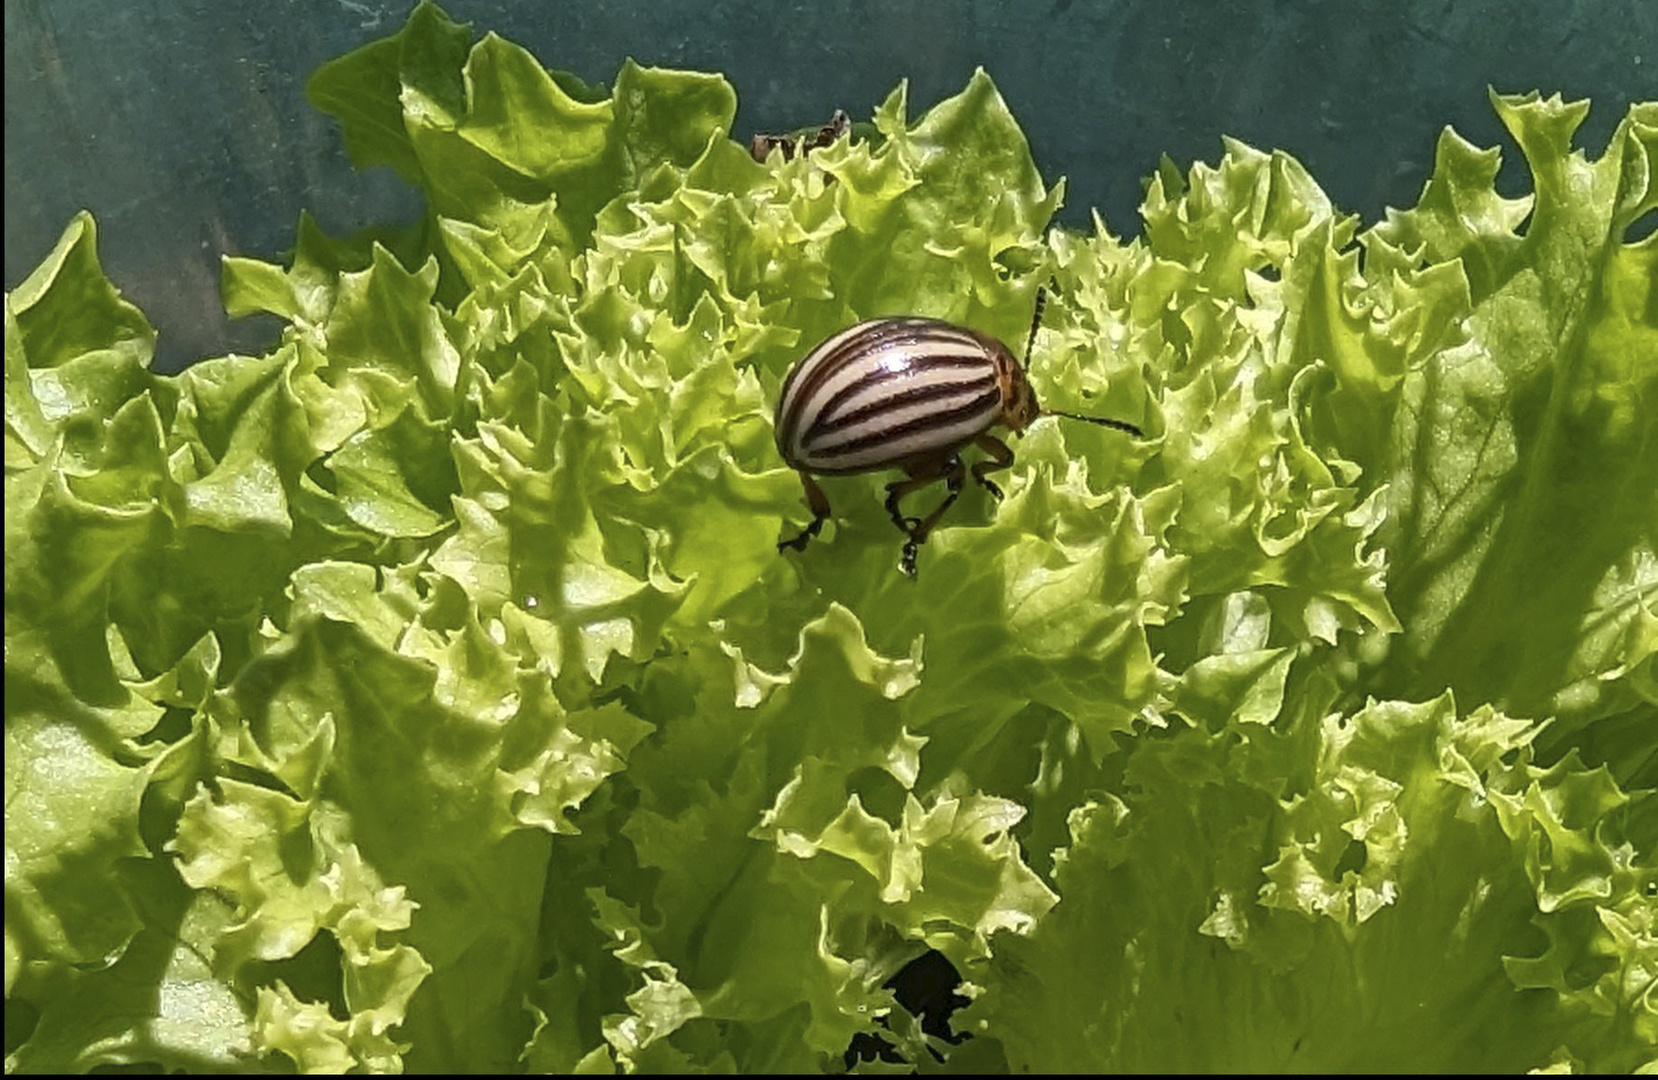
(906, 393)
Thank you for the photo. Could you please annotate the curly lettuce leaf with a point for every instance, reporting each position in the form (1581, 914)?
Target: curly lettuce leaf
(1366, 885)
(1523, 491)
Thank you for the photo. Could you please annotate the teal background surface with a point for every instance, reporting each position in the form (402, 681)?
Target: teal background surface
(184, 128)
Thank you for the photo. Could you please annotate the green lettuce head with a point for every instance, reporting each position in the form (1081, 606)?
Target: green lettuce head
(429, 693)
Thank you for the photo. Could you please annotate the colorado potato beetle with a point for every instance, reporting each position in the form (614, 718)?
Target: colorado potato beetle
(906, 393)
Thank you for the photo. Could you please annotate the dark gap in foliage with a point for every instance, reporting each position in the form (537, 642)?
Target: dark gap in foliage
(879, 792)
(173, 725)
(315, 973)
(247, 774)
(1013, 262)
(926, 987)
(321, 475)
(868, 1047)
(1353, 858)
(1641, 228)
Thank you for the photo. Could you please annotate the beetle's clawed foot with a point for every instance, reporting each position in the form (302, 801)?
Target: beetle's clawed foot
(995, 492)
(906, 562)
(799, 542)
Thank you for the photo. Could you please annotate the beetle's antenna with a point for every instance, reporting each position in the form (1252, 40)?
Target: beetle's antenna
(1120, 425)
(1035, 322)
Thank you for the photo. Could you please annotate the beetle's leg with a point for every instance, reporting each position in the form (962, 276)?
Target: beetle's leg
(954, 478)
(900, 488)
(926, 472)
(1000, 458)
(819, 502)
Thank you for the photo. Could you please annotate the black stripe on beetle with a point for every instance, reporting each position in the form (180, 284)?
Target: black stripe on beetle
(852, 356)
(906, 393)
(921, 427)
(873, 404)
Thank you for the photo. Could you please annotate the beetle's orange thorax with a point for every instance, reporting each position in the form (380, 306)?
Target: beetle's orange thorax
(1019, 406)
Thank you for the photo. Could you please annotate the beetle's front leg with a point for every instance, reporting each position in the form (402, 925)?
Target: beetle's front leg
(1000, 458)
(819, 502)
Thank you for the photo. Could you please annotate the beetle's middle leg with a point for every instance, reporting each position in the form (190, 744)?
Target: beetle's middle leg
(1000, 458)
(954, 476)
(819, 502)
(918, 479)
(928, 472)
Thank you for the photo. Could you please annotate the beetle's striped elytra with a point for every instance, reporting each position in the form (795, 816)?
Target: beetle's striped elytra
(906, 393)
(887, 391)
